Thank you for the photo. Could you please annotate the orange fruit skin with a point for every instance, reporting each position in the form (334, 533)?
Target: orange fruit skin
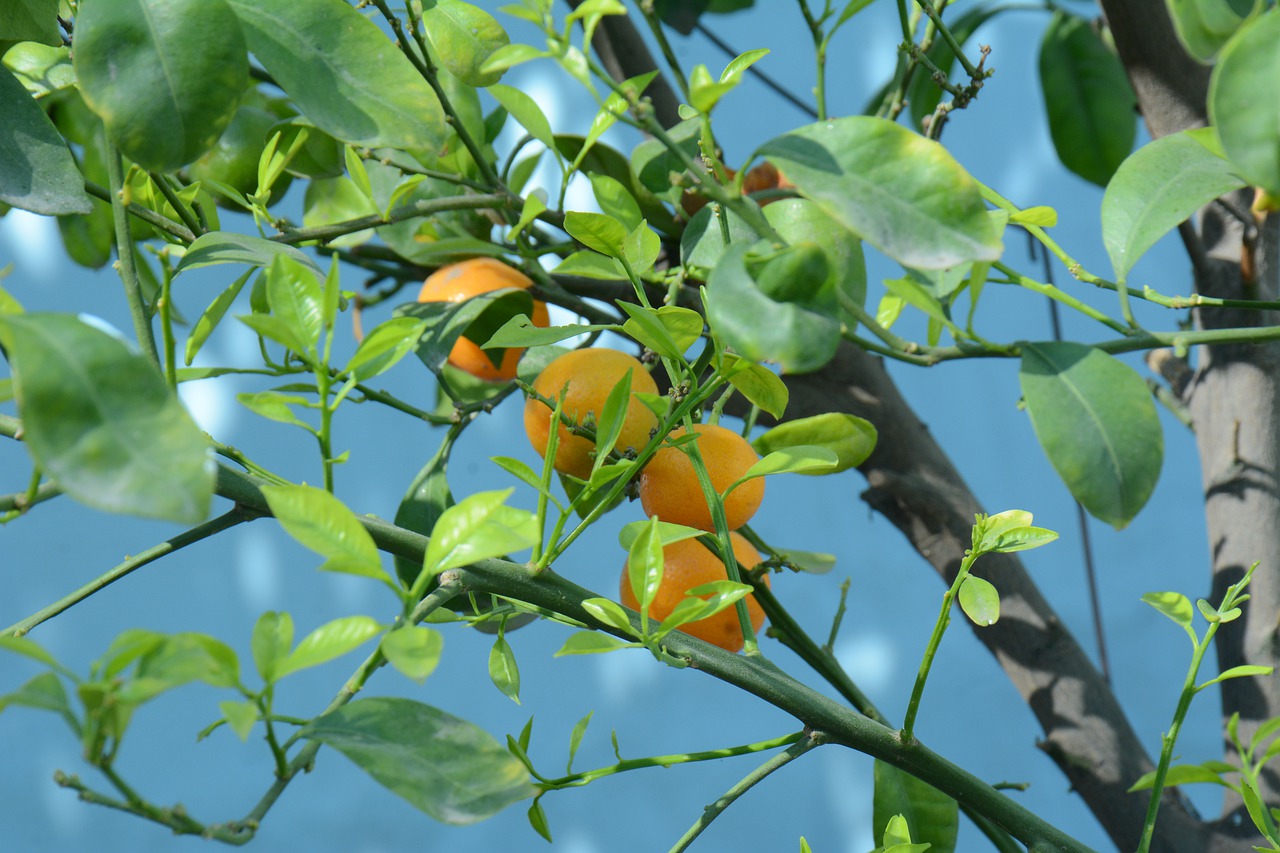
(589, 375)
(669, 486)
(461, 281)
(687, 564)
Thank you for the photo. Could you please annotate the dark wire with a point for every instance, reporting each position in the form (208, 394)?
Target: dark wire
(1091, 575)
(760, 75)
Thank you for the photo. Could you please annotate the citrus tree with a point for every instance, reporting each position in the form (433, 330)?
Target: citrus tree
(744, 342)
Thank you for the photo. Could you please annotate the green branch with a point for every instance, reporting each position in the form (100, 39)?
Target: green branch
(423, 207)
(124, 256)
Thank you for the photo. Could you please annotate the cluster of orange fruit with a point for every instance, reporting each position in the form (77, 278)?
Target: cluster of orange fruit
(668, 485)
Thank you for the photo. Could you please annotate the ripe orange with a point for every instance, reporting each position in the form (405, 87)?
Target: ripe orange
(461, 281)
(688, 564)
(589, 375)
(669, 486)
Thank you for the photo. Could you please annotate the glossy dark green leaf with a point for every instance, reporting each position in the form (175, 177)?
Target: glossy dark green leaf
(797, 339)
(1240, 105)
(343, 72)
(886, 185)
(1161, 185)
(478, 317)
(331, 640)
(164, 75)
(101, 421)
(798, 219)
(414, 650)
(1204, 26)
(851, 438)
(322, 523)
(1097, 423)
(654, 163)
(443, 765)
(931, 816)
(463, 36)
(519, 331)
(702, 243)
(1089, 101)
(37, 171)
(30, 20)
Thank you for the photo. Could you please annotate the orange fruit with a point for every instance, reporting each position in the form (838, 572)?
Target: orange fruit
(588, 375)
(669, 486)
(688, 564)
(461, 281)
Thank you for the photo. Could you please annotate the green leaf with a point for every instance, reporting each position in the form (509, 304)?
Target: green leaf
(615, 200)
(1245, 118)
(525, 110)
(641, 248)
(225, 247)
(212, 316)
(1091, 106)
(519, 331)
(389, 342)
(343, 73)
(760, 385)
(101, 421)
(703, 602)
(37, 171)
(980, 601)
(272, 638)
(609, 613)
(667, 532)
(478, 318)
(591, 643)
(1242, 671)
(30, 648)
(1039, 216)
(886, 185)
(329, 641)
(1204, 26)
(800, 220)
(464, 37)
(414, 650)
(1178, 774)
(851, 438)
(445, 766)
(143, 65)
(1159, 186)
(597, 231)
(44, 692)
(645, 564)
(30, 20)
(1022, 539)
(798, 339)
(297, 304)
(477, 528)
(931, 816)
(503, 671)
(1096, 421)
(321, 522)
(240, 716)
(427, 497)
(275, 406)
(1176, 606)
(668, 331)
(795, 459)
(815, 563)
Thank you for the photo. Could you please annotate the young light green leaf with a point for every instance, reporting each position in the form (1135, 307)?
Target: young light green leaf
(645, 565)
(477, 528)
(519, 331)
(414, 650)
(980, 601)
(275, 406)
(1242, 671)
(526, 111)
(1097, 423)
(1022, 539)
(1176, 606)
(591, 643)
(382, 348)
(597, 231)
(641, 248)
(99, 419)
(503, 671)
(321, 522)
(1204, 26)
(667, 532)
(329, 641)
(1178, 774)
(609, 613)
(1040, 216)
(702, 602)
(240, 716)
(213, 315)
(270, 643)
(849, 437)
(616, 200)
(797, 459)
(443, 765)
